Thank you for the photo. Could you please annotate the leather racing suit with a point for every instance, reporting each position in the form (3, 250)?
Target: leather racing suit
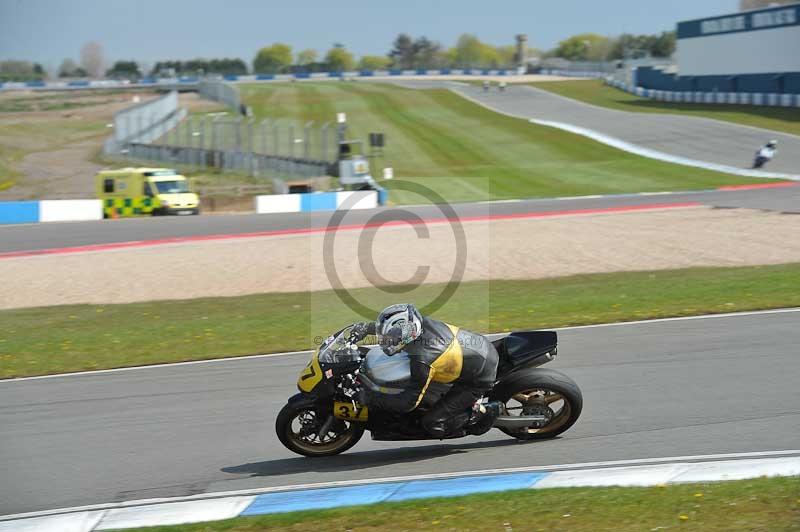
(446, 354)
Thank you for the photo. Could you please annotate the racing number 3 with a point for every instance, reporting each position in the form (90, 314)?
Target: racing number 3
(350, 411)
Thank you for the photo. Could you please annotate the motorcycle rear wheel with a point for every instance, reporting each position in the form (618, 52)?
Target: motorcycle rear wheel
(533, 392)
(330, 444)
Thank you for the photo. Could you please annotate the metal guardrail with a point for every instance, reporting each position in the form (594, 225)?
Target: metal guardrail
(144, 122)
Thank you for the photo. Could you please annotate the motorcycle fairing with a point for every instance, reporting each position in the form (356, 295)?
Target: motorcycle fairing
(311, 375)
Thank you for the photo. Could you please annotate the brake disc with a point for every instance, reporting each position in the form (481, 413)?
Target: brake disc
(538, 409)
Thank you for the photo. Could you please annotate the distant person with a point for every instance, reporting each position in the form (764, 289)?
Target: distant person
(485, 86)
(765, 154)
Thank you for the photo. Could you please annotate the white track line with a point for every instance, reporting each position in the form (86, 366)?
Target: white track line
(429, 476)
(496, 334)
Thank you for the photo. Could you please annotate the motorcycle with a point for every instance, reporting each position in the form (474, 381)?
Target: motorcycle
(760, 161)
(325, 418)
(764, 155)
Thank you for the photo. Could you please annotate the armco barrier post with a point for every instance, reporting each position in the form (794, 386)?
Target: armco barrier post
(324, 141)
(291, 148)
(276, 141)
(238, 134)
(250, 148)
(264, 145)
(307, 140)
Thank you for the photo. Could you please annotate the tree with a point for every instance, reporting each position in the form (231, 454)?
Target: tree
(663, 45)
(69, 69)
(507, 56)
(636, 46)
(273, 59)
(468, 51)
(745, 5)
(124, 69)
(402, 53)
(374, 62)
(13, 70)
(339, 59)
(584, 47)
(306, 57)
(93, 58)
(489, 56)
(425, 52)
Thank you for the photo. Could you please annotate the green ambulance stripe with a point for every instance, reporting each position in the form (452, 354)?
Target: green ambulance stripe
(129, 206)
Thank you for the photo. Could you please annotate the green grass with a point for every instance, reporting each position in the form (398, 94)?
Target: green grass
(759, 504)
(466, 152)
(785, 119)
(83, 337)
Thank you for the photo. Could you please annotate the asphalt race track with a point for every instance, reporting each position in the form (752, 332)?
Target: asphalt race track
(668, 388)
(68, 234)
(696, 138)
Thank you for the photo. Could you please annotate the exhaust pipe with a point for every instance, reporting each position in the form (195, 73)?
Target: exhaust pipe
(518, 422)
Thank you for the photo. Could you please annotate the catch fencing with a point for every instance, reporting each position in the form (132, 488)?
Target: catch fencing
(144, 122)
(218, 91)
(266, 148)
(159, 130)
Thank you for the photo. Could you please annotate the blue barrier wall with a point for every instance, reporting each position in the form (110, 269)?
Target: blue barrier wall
(778, 83)
(19, 212)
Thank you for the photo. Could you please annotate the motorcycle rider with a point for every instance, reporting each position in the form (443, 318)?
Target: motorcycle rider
(765, 154)
(438, 352)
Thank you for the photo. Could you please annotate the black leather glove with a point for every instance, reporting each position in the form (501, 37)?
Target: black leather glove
(361, 330)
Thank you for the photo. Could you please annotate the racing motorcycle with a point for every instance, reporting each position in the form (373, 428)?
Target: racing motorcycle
(325, 418)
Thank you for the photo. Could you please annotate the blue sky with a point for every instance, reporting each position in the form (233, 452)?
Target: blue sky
(50, 30)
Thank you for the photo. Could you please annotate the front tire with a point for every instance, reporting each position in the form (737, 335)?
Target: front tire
(540, 391)
(293, 424)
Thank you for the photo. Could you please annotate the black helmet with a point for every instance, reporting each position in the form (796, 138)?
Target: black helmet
(397, 326)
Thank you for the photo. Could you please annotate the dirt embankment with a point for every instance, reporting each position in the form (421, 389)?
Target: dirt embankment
(510, 249)
(60, 137)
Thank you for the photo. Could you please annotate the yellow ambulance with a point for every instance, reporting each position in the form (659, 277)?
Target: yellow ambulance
(145, 192)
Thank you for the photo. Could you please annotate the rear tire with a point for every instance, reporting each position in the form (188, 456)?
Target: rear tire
(548, 380)
(295, 443)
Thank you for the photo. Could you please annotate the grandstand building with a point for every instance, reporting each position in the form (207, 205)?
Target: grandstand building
(754, 51)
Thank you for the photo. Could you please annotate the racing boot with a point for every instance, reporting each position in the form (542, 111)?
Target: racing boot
(483, 417)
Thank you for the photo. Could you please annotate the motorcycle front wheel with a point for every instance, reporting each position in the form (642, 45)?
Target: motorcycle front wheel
(299, 430)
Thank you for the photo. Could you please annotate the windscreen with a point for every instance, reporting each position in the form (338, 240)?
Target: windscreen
(172, 187)
(337, 348)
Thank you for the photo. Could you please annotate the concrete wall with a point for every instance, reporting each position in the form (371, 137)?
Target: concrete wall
(316, 201)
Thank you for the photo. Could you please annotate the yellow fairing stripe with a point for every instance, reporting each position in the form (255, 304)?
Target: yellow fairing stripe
(449, 364)
(424, 388)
